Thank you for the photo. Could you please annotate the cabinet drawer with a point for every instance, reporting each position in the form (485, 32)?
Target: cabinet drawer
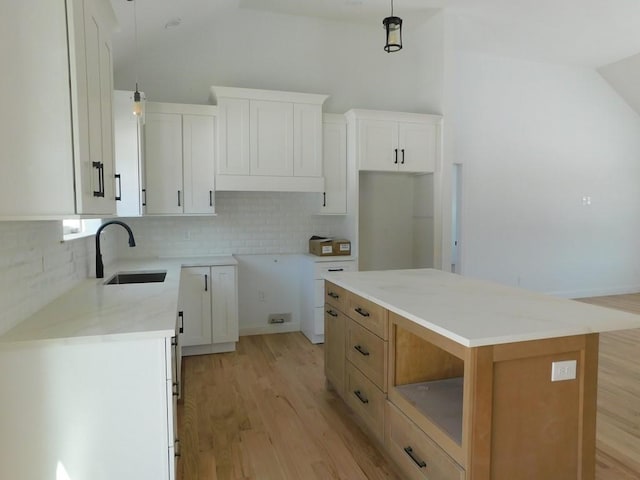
(336, 296)
(367, 352)
(368, 314)
(366, 400)
(416, 454)
(323, 268)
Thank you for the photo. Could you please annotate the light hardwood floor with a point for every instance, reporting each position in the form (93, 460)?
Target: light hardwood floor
(264, 412)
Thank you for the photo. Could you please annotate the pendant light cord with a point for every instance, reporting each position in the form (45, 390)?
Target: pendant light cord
(392, 8)
(135, 39)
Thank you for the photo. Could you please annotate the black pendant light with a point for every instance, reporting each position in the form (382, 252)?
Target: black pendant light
(393, 28)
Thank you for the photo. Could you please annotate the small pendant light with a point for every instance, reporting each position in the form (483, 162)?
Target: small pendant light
(393, 27)
(137, 97)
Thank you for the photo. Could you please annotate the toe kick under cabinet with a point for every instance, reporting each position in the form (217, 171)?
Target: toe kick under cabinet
(444, 410)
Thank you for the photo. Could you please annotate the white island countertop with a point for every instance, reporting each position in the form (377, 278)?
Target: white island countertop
(93, 310)
(476, 313)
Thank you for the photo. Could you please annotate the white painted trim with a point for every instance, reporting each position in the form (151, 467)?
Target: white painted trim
(180, 108)
(337, 118)
(264, 183)
(267, 329)
(268, 95)
(358, 114)
(207, 349)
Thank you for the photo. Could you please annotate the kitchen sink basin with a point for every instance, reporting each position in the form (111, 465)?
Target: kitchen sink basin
(122, 278)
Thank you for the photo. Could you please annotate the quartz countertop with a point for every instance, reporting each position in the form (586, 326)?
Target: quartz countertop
(103, 312)
(476, 313)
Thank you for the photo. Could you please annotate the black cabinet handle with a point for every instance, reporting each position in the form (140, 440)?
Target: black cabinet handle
(144, 194)
(332, 313)
(396, 162)
(206, 282)
(176, 384)
(362, 312)
(179, 202)
(324, 199)
(416, 460)
(336, 270)
(119, 179)
(361, 397)
(333, 295)
(176, 448)
(100, 167)
(361, 350)
(181, 317)
(402, 162)
(175, 389)
(211, 198)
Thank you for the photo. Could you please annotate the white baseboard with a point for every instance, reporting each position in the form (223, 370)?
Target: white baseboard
(597, 292)
(267, 329)
(207, 349)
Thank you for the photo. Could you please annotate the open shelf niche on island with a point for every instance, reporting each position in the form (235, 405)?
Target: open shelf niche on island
(430, 379)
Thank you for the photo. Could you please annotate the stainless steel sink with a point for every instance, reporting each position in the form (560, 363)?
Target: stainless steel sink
(122, 278)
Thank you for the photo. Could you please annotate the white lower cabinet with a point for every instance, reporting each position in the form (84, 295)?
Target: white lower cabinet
(313, 271)
(209, 305)
(98, 409)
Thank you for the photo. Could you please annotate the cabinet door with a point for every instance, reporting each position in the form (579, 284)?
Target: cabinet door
(195, 302)
(233, 136)
(334, 345)
(307, 140)
(378, 145)
(271, 138)
(94, 122)
(127, 155)
(198, 133)
(163, 163)
(334, 200)
(36, 171)
(417, 143)
(225, 304)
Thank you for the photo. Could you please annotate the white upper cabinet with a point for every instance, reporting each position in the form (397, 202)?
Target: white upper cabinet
(334, 152)
(57, 142)
(179, 159)
(269, 140)
(394, 141)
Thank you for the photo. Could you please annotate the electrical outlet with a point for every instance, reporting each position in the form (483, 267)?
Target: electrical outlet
(565, 370)
(279, 318)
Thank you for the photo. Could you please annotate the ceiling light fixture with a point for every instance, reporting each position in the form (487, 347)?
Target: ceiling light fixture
(137, 97)
(393, 28)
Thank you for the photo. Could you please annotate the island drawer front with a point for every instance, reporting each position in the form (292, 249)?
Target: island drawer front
(336, 296)
(419, 457)
(368, 352)
(366, 400)
(369, 315)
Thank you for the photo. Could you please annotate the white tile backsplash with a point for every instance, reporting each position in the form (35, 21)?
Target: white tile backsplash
(36, 266)
(246, 223)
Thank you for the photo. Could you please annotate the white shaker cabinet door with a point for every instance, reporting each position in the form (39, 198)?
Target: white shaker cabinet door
(271, 138)
(224, 304)
(334, 152)
(378, 145)
(417, 143)
(198, 143)
(163, 163)
(195, 303)
(307, 140)
(233, 158)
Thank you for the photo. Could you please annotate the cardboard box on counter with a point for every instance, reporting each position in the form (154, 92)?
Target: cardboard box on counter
(321, 246)
(341, 247)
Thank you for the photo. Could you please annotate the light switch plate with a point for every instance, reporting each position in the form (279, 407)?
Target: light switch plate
(565, 370)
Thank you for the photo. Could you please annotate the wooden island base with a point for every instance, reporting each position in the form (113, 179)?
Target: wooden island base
(445, 411)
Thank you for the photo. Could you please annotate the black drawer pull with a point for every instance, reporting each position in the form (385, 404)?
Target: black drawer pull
(333, 295)
(176, 389)
(361, 350)
(361, 397)
(416, 460)
(402, 162)
(396, 161)
(332, 313)
(362, 312)
(336, 270)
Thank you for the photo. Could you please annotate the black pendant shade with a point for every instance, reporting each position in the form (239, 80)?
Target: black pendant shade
(393, 27)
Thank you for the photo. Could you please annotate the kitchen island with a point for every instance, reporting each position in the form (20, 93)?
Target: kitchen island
(464, 379)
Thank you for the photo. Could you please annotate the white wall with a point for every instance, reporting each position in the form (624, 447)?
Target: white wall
(247, 48)
(534, 139)
(36, 267)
